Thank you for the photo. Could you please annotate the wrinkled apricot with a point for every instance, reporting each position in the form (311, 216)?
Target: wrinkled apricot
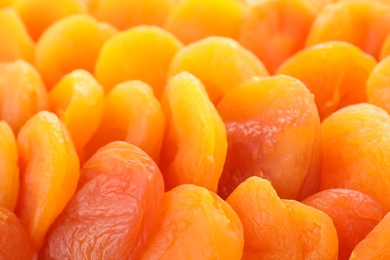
(193, 20)
(132, 114)
(15, 41)
(141, 53)
(38, 15)
(354, 215)
(335, 72)
(195, 144)
(273, 132)
(9, 171)
(376, 245)
(270, 231)
(14, 242)
(364, 23)
(71, 43)
(276, 29)
(49, 170)
(195, 224)
(78, 100)
(378, 85)
(22, 93)
(113, 214)
(220, 63)
(356, 143)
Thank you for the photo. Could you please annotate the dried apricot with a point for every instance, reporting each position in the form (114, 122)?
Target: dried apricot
(9, 171)
(220, 63)
(354, 215)
(195, 224)
(49, 170)
(356, 143)
(195, 144)
(378, 85)
(335, 72)
(113, 214)
(273, 132)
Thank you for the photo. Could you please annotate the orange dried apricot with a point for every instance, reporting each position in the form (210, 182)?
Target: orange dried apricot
(113, 214)
(194, 146)
(14, 242)
(354, 215)
(5, 3)
(141, 53)
(356, 143)
(276, 29)
(132, 114)
(385, 48)
(38, 15)
(78, 100)
(335, 72)
(15, 41)
(9, 171)
(220, 63)
(71, 43)
(273, 132)
(195, 224)
(22, 93)
(270, 231)
(378, 85)
(193, 20)
(49, 170)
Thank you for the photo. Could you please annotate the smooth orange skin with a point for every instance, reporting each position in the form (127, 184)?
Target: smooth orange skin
(364, 23)
(385, 49)
(14, 242)
(15, 41)
(38, 15)
(335, 72)
(219, 62)
(354, 215)
(22, 93)
(378, 85)
(49, 172)
(9, 170)
(195, 144)
(124, 14)
(114, 213)
(141, 53)
(5, 3)
(276, 29)
(270, 231)
(132, 114)
(71, 43)
(78, 101)
(195, 224)
(376, 245)
(273, 132)
(356, 143)
(319, 234)
(193, 20)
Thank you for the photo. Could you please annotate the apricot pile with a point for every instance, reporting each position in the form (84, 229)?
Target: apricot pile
(195, 129)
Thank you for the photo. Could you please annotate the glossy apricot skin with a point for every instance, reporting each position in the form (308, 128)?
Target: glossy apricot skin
(15, 41)
(335, 72)
(273, 132)
(193, 20)
(132, 114)
(49, 172)
(195, 144)
(219, 62)
(78, 100)
(71, 43)
(22, 93)
(195, 224)
(270, 231)
(354, 215)
(284, 24)
(14, 241)
(355, 144)
(140, 53)
(9, 170)
(124, 203)
(378, 90)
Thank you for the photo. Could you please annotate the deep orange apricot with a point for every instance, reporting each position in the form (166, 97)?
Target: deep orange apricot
(378, 85)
